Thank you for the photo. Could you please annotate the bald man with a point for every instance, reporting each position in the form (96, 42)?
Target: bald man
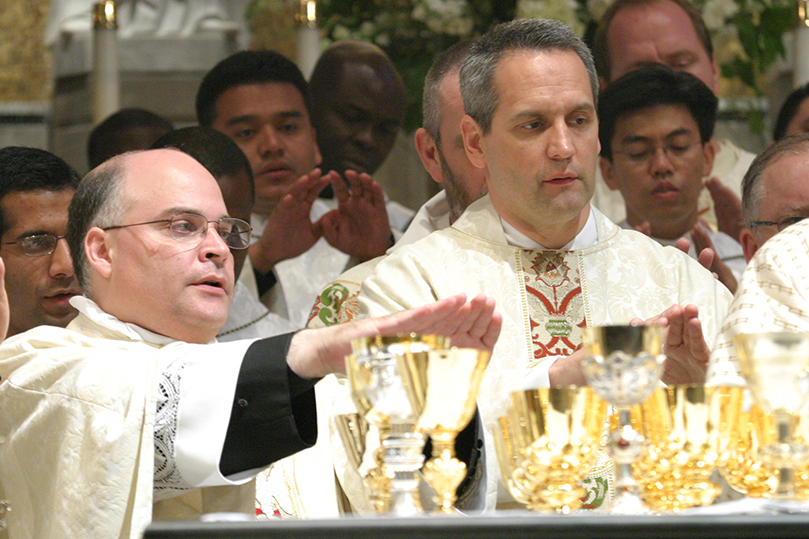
(137, 384)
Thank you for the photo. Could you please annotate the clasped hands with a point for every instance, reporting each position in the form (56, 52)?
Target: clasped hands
(358, 227)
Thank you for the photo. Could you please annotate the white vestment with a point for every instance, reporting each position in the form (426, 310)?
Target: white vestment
(545, 296)
(773, 295)
(726, 248)
(730, 165)
(626, 275)
(77, 424)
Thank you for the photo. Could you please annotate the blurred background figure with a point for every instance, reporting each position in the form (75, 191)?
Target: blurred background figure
(124, 131)
(793, 118)
(36, 188)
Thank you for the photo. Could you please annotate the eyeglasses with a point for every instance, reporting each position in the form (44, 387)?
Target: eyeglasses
(781, 223)
(185, 227)
(37, 244)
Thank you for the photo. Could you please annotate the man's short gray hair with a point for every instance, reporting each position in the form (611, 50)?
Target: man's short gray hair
(99, 202)
(752, 187)
(480, 97)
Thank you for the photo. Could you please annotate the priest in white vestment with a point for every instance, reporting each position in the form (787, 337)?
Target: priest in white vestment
(134, 410)
(773, 291)
(554, 263)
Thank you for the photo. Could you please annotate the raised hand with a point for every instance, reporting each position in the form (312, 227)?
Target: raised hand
(687, 351)
(289, 231)
(727, 206)
(715, 264)
(359, 226)
(473, 324)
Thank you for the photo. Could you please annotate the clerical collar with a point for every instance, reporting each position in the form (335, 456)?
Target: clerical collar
(587, 237)
(91, 310)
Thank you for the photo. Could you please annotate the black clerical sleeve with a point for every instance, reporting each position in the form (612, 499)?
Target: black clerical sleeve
(273, 409)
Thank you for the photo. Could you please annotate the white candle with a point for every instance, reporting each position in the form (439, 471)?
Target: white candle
(104, 80)
(801, 46)
(307, 46)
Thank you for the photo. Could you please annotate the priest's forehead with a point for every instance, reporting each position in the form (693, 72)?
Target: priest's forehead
(156, 180)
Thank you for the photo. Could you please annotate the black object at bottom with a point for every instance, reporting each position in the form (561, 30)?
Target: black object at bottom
(794, 526)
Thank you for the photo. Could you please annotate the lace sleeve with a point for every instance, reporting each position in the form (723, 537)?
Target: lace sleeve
(168, 481)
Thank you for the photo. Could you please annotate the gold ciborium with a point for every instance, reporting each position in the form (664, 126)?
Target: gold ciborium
(681, 425)
(623, 365)
(378, 388)
(776, 368)
(443, 387)
(548, 443)
(741, 421)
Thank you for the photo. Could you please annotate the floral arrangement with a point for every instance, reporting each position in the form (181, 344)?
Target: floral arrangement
(747, 34)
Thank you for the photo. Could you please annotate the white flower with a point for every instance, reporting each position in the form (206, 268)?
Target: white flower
(716, 12)
(561, 10)
(444, 16)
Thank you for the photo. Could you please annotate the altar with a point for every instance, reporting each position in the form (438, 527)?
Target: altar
(510, 526)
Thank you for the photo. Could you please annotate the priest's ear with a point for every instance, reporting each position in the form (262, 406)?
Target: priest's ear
(473, 141)
(427, 148)
(607, 173)
(98, 251)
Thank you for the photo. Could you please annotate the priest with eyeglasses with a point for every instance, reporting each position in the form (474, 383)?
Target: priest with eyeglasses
(134, 411)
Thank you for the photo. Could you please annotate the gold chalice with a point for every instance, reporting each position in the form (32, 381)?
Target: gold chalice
(776, 367)
(548, 443)
(380, 393)
(681, 425)
(623, 365)
(509, 458)
(741, 466)
(443, 387)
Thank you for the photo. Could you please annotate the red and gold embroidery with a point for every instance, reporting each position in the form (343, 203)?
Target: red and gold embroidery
(555, 303)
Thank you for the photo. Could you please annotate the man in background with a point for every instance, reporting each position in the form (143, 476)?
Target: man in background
(775, 192)
(124, 131)
(773, 294)
(655, 127)
(261, 100)
(632, 33)
(35, 191)
(358, 105)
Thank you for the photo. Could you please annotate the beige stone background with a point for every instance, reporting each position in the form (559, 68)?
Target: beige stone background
(24, 60)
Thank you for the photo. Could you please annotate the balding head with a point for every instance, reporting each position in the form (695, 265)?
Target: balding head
(134, 266)
(358, 105)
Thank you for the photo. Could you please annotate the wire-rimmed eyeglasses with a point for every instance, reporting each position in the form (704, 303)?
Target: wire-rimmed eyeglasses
(781, 223)
(36, 244)
(185, 227)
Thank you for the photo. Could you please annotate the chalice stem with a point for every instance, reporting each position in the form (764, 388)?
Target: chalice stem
(444, 472)
(404, 458)
(624, 447)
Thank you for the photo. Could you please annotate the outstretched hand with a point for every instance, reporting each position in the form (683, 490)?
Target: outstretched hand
(359, 226)
(687, 352)
(289, 231)
(474, 324)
